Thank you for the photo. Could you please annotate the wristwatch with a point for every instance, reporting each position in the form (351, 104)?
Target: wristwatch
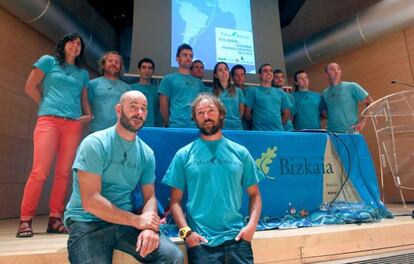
(184, 232)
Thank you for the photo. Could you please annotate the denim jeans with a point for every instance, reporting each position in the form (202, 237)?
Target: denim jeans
(94, 242)
(230, 252)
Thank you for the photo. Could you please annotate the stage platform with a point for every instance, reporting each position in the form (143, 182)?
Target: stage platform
(390, 238)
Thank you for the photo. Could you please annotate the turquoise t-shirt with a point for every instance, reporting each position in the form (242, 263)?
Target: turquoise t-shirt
(245, 124)
(341, 104)
(181, 89)
(62, 88)
(104, 95)
(267, 105)
(207, 89)
(103, 153)
(288, 126)
(150, 91)
(214, 175)
(232, 104)
(308, 110)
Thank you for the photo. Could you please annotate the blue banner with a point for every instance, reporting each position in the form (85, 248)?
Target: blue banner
(306, 173)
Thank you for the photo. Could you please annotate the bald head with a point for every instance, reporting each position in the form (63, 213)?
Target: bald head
(132, 110)
(131, 95)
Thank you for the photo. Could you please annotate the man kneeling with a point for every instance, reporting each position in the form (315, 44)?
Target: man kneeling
(108, 167)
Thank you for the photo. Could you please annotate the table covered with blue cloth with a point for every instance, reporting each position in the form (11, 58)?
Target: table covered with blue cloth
(311, 178)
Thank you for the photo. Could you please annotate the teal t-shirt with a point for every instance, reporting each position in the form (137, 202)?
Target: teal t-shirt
(267, 105)
(245, 124)
(150, 91)
(232, 104)
(103, 153)
(288, 126)
(308, 110)
(62, 88)
(341, 104)
(207, 89)
(181, 89)
(104, 95)
(214, 175)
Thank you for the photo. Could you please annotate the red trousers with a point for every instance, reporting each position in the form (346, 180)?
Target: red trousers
(54, 137)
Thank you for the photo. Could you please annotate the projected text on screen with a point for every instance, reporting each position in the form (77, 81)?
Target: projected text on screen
(217, 30)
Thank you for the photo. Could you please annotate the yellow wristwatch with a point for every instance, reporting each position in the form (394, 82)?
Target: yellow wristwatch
(184, 232)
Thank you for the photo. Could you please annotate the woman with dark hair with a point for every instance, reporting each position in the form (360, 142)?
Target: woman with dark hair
(231, 96)
(58, 85)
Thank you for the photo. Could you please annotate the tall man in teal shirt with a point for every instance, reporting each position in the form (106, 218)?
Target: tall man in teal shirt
(109, 165)
(279, 82)
(266, 106)
(340, 102)
(307, 104)
(213, 168)
(178, 90)
(146, 69)
(104, 92)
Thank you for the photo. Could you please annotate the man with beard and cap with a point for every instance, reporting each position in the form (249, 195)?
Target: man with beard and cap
(109, 165)
(213, 168)
(104, 92)
(178, 90)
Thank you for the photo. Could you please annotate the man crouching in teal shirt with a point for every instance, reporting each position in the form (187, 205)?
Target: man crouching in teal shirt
(214, 171)
(109, 165)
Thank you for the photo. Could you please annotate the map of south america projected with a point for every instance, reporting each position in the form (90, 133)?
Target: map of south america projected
(217, 30)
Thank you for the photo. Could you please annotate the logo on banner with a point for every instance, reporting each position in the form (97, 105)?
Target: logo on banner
(265, 160)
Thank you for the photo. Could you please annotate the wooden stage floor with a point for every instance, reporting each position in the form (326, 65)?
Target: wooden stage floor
(330, 244)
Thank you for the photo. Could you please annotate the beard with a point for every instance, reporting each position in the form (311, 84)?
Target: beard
(210, 130)
(113, 71)
(127, 123)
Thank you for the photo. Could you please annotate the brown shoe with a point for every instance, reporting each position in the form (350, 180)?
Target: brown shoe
(55, 226)
(25, 229)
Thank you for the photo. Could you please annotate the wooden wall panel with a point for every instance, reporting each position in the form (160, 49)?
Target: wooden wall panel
(18, 35)
(45, 46)
(12, 165)
(412, 69)
(14, 108)
(409, 38)
(14, 69)
(12, 196)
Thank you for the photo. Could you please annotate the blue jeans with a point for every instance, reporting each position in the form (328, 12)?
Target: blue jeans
(230, 252)
(94, 242)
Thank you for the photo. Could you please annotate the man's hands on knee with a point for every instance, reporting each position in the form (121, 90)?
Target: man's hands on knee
(148, 220)
(147, 242)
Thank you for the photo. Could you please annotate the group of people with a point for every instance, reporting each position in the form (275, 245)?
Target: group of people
(112, 161)
(276, 106)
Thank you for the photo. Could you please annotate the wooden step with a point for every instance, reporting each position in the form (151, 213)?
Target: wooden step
(302, 245)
